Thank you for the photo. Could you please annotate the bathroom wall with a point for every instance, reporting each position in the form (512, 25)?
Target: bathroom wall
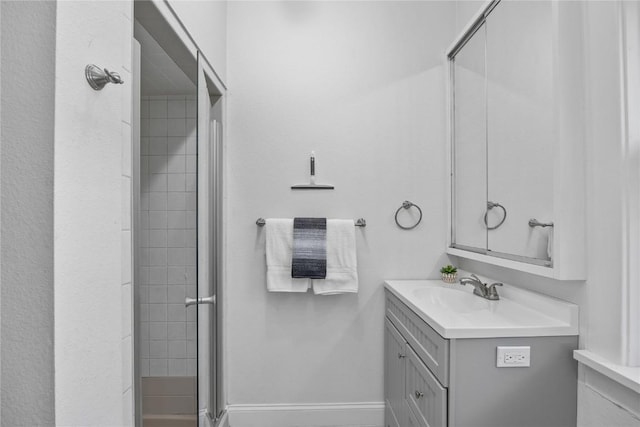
(92, 245)
(26, 213)
(362, 84)
(601, 298)
(168, 238)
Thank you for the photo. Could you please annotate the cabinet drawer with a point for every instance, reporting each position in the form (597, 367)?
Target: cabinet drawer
(412, 421)
(427, 343)
(390, 419)
(426, 398)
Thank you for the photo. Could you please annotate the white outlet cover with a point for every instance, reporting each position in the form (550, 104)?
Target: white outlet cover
(513, 357)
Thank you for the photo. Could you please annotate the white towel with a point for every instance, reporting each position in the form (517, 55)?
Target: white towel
(342, 264)
(550, 243)
(279, 248)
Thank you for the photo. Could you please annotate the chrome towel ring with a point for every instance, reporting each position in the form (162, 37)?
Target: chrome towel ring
(406, 205)
(491, 205)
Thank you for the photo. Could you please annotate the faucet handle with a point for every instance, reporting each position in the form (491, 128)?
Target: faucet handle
(476, 277)
(491, 290)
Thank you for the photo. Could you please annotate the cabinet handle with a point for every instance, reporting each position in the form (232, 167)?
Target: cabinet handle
(401, 356)
(419, 394)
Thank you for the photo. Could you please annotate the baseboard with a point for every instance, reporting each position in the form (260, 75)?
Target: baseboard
(361, 414)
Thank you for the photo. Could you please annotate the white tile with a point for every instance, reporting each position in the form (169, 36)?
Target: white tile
(191, 164)
(176, 238)
(127, 310)
(191, 315)
(158, 275)
(176, 275)
(126, 261)
(157, 331)
(176, 256)
(190, 127)
(192, 145)
(177, 145)
(158, 201)
(144, 108)
(157, 257)
(190, 240)
(190, 181)
(158, 164)
(191, 219)
(157, 294)
(144, 145)
(144, 200)
(144, 331)
(190, 289)
(144, 275)
(158, 349)
(158, 313)
(144, 256)
(144, 312)
(177, 330)
(157, 97)
(176, 109)
(144, 367)
(158, 182)
(158, 239)
(144, 349)
(157, 219)
(158, 367)
(144, 219)
(176, 219)
(176, 182)
(158, 127)
(176, 201)
(176, 164)
(192, 276)
(192, 330)
(190, 256)
(144, 237)
(158, 109)
(191, 109)
(192, 367)
(125, 192)
(177, 312)
(175, 127)
(144, 294)
(158, 146)
(191, 348)
(175, 294)
(177, 367)
(190, 201)
(144, 127)
(177, 349)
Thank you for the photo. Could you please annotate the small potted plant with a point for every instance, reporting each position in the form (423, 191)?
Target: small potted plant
(449, 274)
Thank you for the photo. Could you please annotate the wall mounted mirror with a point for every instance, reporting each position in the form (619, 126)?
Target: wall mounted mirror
(505, 124)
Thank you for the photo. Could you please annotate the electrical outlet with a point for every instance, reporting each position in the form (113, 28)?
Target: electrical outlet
(513, 357)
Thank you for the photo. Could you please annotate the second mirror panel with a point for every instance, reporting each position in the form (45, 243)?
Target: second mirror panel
(520, 128)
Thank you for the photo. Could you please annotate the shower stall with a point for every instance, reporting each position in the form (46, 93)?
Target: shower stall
(177, 227)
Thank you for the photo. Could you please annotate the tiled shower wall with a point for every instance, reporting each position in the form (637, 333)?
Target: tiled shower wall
(168, 240)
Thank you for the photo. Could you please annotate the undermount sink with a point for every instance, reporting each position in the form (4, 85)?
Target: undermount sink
(455, 312)
(455, 299)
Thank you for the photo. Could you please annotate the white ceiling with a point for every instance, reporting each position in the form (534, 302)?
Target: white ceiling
(160, 74)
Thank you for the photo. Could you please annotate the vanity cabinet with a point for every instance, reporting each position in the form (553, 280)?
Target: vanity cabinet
(431, 381)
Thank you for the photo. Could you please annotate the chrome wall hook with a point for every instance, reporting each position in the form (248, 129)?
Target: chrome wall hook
(98, 78)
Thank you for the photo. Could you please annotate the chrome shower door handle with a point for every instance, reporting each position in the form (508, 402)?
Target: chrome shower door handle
(200, 300)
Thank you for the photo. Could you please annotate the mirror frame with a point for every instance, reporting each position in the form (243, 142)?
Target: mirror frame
(569, 262)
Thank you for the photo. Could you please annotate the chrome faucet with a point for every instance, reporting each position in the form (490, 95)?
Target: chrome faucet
(482, 289)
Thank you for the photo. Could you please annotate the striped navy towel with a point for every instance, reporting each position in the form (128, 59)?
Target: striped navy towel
(309, 258)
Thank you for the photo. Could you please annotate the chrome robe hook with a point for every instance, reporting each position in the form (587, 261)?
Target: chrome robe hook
(98, 78)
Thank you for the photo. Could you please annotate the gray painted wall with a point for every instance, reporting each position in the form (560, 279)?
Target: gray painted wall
(26, 217)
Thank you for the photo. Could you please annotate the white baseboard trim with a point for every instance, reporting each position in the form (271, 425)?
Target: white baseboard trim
(360, 414)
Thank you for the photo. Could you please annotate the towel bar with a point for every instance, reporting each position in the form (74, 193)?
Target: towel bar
(360, 222)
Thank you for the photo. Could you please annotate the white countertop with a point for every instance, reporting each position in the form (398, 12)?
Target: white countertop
(454, 312)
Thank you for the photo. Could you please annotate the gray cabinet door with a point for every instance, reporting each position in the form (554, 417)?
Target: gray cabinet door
(425, 396)
(394, 377)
